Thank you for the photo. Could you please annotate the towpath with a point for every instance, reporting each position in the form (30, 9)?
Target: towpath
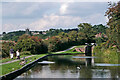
(15, 60)
(34, 55)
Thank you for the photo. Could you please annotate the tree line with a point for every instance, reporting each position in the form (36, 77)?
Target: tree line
(14, 36)
(62, 39)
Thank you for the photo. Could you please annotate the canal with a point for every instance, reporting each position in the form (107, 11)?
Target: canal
(72, 66)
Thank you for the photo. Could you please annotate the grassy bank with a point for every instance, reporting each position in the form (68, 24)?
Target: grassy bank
(7, 68)
(8, 59)
(108, 55)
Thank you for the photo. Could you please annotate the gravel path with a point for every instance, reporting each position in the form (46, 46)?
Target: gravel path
(16, 60)
(66, 49)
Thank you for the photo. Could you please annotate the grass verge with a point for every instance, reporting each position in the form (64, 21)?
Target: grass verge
(7, 68)
(8, 59)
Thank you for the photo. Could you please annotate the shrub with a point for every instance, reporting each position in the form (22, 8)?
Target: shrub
(25, 53)
(54, 44)
(32, 44)
(6, 46)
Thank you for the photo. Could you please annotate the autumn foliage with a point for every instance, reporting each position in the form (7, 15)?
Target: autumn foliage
(113, 33)
(31, 43)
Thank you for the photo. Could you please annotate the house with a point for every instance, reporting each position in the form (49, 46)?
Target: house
(35, 33)
(99, 35)
(43, 32)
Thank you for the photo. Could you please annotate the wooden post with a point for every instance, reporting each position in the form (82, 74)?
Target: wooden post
(88, 50)
(88, 61)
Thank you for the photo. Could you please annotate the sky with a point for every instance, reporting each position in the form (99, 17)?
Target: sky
(43, 15)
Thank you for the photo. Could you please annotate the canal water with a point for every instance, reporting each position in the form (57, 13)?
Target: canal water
(72, 66)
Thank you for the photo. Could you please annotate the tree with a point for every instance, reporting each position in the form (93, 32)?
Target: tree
(73, 35)
(31, 43)
(24, 36)
(12, 35)
(87, 31)
(6, 46)
(26, 45)
(113, 14)
(99, 28)
(54, 44)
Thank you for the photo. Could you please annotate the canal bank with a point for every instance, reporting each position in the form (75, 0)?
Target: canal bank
(71, 66)
(14, 74)
(108, 55)
(18, 67)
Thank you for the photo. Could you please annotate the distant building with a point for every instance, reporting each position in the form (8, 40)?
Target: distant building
(27, 31)
(35, 33)
(99, 35)
(43, 32)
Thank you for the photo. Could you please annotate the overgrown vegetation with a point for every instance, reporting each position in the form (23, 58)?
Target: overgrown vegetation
(108, 55)
(110, 48)
(5, 48)
(113, 32)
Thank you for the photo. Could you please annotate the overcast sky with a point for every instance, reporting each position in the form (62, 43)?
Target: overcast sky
(45, 15)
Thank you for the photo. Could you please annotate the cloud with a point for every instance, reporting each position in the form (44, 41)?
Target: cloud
(56, 21)
(47, 22)
(29, 10)
(23, 10)
(43, 16)
(8, 27)
(15, 10)
(13, 27)
(63, 8)
(96, 19)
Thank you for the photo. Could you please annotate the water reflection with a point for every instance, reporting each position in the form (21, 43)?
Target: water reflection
(68, 67)
(89, 61)
(106, 64)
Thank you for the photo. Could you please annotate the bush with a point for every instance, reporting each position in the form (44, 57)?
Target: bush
(41, 48)
(25, 53)
(109, 55)
(25, 45)
(32, 44)
(53, 44)
(6, 46)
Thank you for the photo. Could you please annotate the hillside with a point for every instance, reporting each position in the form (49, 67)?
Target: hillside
(42, 34)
